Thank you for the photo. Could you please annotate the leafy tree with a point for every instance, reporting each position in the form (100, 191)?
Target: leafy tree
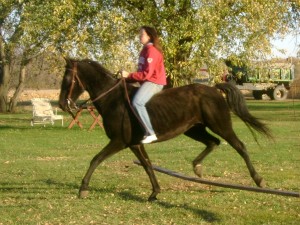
(202, 31)
(192, 32)
(13, 50)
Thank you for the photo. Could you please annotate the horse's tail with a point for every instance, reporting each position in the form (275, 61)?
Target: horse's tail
(237, 104)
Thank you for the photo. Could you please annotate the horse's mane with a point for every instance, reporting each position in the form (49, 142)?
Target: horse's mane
(95, 64)
(98, 67)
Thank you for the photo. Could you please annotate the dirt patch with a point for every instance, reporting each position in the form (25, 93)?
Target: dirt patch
(53, 95)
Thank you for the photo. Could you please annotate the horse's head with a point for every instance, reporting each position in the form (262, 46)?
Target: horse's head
(71, 87)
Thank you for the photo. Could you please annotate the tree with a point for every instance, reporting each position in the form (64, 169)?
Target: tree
(202, 31)
(11, 33)
(193, 32)
(70, 28)
(18, 44)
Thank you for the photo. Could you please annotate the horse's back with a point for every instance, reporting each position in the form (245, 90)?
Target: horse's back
(187, 96)
(182, 107)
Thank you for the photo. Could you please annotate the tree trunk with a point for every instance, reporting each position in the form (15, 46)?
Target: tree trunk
(4, 77)
(14, 100)
(4, 83)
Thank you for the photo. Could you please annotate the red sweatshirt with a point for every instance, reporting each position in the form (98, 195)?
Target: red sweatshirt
(150, 67)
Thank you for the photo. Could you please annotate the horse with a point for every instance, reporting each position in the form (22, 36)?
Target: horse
(187, 110)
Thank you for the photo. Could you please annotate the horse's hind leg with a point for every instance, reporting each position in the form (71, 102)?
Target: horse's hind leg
(226, 132)
(107, 151)
(199, 133)
(241, 149)
(142, 155)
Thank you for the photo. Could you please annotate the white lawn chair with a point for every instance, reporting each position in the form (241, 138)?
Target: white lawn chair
(42, 112)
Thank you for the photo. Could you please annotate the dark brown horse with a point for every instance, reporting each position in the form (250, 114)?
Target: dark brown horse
(188, 109)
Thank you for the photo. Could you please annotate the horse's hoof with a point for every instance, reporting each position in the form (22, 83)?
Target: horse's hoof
(262, 183)
(152, 199)
(198, 170)
(83, 194)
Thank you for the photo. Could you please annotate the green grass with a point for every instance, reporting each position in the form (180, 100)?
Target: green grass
(41, 170)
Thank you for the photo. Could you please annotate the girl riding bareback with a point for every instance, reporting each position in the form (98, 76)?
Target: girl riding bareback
(150, 74)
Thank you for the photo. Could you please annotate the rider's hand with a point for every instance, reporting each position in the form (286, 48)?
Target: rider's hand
(124, 73)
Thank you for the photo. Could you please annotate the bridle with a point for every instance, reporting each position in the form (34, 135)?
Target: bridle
(75, 78)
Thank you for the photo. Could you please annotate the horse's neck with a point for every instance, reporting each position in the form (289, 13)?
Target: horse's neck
(99, 87)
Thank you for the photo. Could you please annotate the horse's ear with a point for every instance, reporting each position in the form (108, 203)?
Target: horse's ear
(68, 61)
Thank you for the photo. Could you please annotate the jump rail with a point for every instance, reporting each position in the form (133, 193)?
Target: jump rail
(224, 185)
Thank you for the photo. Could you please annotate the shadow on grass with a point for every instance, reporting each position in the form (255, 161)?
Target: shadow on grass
(38, 189)
(36, 185)
(42, 189)
(204, 214)
(36, 127)
(128, 196)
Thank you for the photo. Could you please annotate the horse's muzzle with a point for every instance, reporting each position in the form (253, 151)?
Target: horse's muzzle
(71, 105)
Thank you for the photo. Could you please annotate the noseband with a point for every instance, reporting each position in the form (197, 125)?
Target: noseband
(74, 78)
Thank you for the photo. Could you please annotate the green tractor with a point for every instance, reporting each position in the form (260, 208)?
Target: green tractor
(273, 80)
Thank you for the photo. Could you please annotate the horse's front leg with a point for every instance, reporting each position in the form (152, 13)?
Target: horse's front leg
(110, 149)
(142, 155)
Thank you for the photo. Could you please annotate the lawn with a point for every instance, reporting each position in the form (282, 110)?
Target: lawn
(41, 170)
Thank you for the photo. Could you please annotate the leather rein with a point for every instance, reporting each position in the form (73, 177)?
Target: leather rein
(76, 77)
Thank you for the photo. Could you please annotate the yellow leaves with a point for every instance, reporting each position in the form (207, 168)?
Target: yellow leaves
(213, 28)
